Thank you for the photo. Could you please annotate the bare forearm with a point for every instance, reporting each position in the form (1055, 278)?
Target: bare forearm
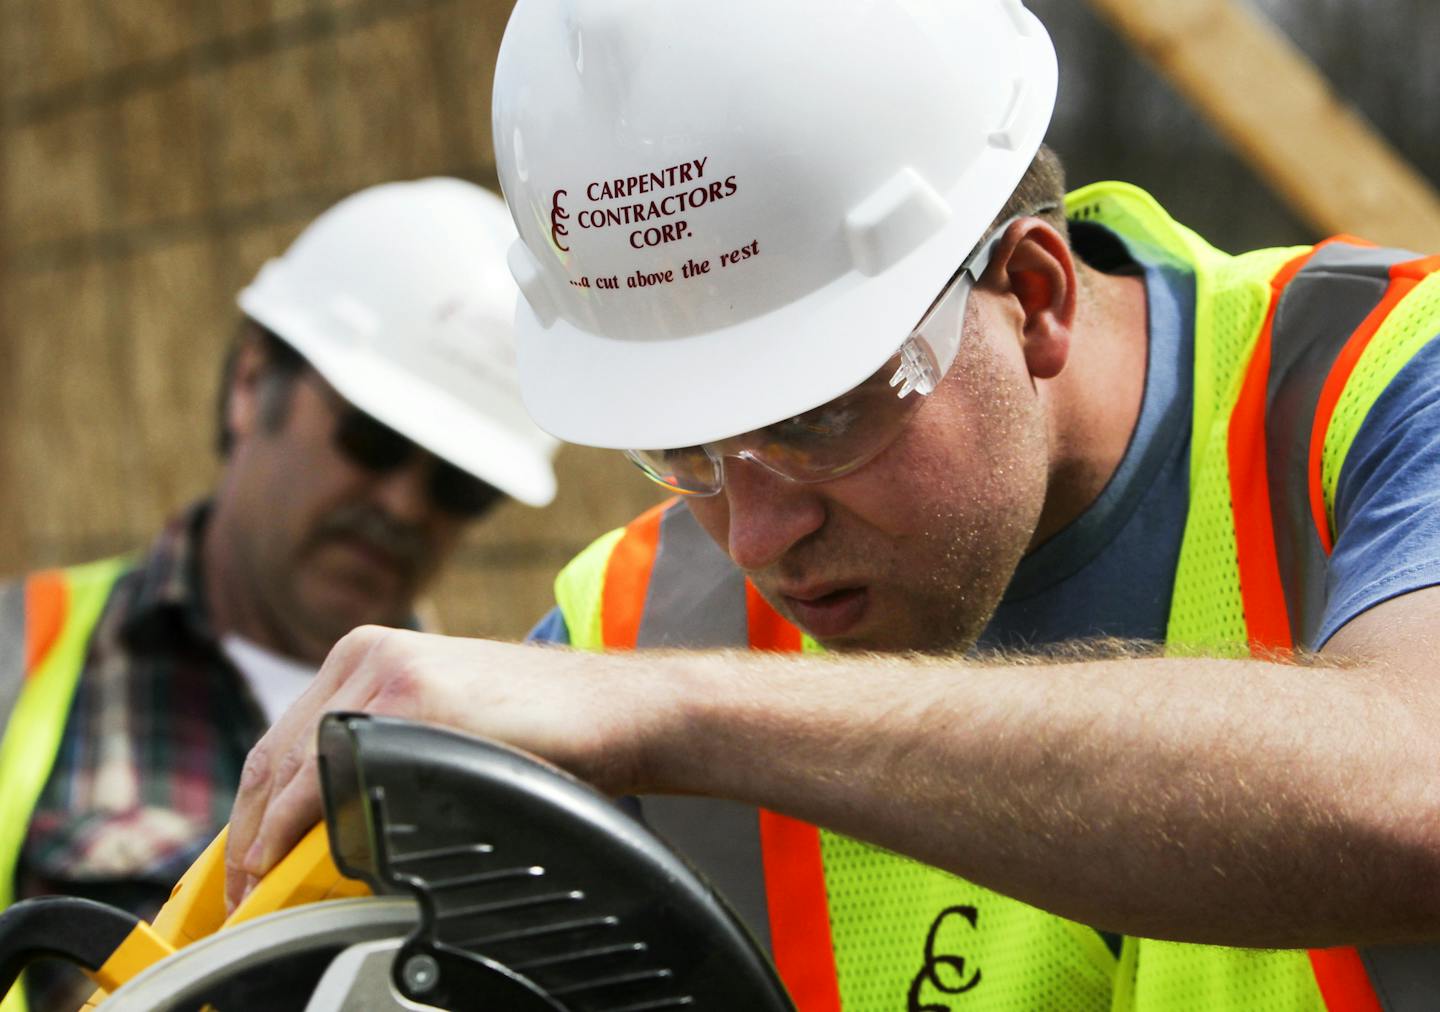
(1235, 802)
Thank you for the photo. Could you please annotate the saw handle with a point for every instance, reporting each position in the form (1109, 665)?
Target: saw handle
(110, 945)
(307, 874)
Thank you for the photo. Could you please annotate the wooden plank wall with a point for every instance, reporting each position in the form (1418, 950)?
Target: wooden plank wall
(152, 155)
(1274, 107)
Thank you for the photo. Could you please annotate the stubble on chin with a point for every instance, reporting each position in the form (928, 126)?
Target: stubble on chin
(981, 532)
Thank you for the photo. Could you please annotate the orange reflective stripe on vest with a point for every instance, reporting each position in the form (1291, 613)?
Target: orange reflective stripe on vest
(1403, 279)
(799, 912)
(1266, 615)
(1344, 984)
(768, 631)
(627, 578)
(1304, 355)
(1325, 307)
(1324, 319)
(47, 598)
(794, 866)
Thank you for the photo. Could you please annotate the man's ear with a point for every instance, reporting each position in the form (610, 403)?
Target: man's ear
(1033, 265)
(243, 400)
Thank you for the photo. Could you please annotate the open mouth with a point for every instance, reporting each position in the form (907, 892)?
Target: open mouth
(829, 614)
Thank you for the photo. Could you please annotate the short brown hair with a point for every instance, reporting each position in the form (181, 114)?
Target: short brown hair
(283, 365)
(1041, 193)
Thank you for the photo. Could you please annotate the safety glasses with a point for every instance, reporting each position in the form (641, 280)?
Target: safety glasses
(374, 446)
(848, 432)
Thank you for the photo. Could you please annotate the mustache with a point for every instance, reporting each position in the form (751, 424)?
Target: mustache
(405, 542)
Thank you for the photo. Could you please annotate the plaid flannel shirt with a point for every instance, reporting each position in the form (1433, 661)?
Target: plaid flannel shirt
(151, 753)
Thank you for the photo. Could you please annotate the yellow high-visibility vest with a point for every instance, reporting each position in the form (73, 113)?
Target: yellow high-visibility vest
(856, 929)
(44, 634)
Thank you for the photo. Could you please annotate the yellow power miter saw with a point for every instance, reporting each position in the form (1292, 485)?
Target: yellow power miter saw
(450, 873)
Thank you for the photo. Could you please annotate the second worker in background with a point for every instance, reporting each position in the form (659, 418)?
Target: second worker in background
(368, 414)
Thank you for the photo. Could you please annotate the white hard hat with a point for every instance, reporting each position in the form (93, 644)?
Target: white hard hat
(400, 297)
(730, 213)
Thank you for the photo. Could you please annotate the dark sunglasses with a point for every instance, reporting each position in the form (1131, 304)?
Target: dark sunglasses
(373, 445)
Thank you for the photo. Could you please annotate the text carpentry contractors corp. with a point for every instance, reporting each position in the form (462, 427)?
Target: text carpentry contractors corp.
(648, 207)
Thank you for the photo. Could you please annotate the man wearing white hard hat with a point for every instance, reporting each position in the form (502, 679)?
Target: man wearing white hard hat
(810, 266)
(369, 413)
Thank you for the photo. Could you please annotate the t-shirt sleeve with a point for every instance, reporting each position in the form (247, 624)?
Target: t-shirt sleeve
(550, 629)
(1387, 505)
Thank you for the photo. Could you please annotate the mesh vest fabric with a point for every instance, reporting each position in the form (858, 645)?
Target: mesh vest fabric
(909, 936)
(1206, 613)
(1232, 296)
(1176, 977)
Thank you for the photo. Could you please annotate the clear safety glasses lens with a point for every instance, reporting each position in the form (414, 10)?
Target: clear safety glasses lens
(843, 434)
(818, 445)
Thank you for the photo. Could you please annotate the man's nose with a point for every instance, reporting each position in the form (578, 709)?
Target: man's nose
(404, 493)
(766, 513)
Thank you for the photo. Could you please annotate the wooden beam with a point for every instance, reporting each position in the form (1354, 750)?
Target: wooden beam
(1272, 104)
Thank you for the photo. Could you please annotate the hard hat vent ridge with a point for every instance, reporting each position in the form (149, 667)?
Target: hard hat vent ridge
(893, 220)
(1010, 134)
(1026, 23)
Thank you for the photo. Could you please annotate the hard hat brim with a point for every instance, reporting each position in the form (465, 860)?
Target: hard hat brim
(431, 418)
(444, 425)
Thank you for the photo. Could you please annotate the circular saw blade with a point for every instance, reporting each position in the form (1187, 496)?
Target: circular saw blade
(272, 962)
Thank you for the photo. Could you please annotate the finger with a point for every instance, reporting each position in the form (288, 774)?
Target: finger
(280, 753)
(250, 800)
(291, 813)
(268, 767)
(293, 804)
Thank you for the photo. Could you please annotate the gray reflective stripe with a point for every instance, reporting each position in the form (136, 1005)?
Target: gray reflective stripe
(722, 840)
(696, 596)
(1319, 311)
(12, 648)
(1406, 978)
(696, 599)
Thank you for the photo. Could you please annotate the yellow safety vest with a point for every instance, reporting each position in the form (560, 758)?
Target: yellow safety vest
(857, 929)
(45, 628)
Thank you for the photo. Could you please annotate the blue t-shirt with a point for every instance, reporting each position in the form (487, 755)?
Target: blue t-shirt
(1112, 570)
